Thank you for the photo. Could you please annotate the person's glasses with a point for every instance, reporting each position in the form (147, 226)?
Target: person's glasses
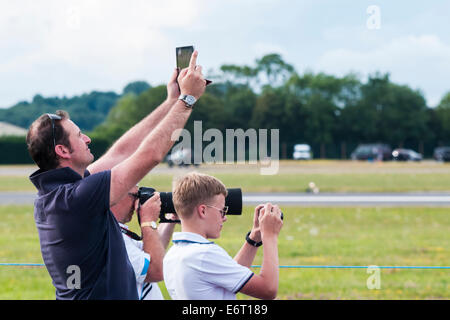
(53, 117)
(223, 211)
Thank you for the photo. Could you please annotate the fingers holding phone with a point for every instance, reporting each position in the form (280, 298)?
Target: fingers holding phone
(191, 79)
(187, 65)
(173, 90)
(193, 61)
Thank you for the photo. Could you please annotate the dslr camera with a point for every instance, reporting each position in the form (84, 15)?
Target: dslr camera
(233, 201)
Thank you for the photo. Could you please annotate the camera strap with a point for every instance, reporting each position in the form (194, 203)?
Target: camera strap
(131, 234)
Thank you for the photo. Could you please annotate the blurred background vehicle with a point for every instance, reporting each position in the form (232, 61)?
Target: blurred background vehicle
(406, 155)
(442, 154)
(302, 152)
(181, 157)
(446, 155)
(373, 151)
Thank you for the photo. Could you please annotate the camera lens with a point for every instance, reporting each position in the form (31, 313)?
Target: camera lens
(233, 200)
(166, 203)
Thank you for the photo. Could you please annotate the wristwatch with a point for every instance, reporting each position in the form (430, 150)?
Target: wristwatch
(188, 100)
(151, 224)
(252, 242)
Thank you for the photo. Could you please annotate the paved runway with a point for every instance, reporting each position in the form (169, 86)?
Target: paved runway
(304, 199)
(351, 199)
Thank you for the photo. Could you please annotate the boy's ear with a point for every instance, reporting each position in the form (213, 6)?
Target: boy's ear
(201, 211)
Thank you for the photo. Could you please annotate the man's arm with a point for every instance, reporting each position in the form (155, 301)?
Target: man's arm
(154, 247)
(152, 244)
(149, 154)
(158, 142)
(165, 231)
(128, 143)
(265, 284)
(155, 244)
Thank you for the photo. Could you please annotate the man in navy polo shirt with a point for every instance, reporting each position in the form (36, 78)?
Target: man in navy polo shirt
(81, 242)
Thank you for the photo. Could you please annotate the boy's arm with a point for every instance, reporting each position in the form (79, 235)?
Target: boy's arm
(247, 253)
(265, 284)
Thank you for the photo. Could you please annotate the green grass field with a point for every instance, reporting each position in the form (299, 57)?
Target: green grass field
(310, 236)
(293, 176)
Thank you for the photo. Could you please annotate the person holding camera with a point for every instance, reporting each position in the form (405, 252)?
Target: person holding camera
(196, 268)
(81, 242)
(145, 252)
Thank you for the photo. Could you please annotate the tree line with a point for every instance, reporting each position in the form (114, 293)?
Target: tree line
(87, 110)
(332, 114)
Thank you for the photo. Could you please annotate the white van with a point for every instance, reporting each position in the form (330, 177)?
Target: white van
(302, 152)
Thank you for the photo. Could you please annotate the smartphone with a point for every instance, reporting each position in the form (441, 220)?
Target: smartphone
(183, 55)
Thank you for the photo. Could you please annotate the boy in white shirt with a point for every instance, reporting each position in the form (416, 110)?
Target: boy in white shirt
(196, 268)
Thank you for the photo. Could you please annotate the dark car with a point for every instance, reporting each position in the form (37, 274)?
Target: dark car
(406, 155)
(442, 154)
(373, 151)
(446, 155)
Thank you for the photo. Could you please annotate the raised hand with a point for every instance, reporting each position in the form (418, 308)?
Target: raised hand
(191, 79)
(270, 220)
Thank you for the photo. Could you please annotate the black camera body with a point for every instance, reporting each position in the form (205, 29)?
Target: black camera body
(233, 201)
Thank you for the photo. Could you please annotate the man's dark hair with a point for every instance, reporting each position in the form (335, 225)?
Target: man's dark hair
(40, 140)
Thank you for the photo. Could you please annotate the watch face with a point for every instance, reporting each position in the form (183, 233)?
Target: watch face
(153, 225)
(190, 100)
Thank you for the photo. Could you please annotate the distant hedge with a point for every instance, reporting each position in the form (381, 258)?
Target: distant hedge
(13, 149)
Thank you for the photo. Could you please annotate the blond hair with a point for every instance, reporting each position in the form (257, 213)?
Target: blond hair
(194, 189)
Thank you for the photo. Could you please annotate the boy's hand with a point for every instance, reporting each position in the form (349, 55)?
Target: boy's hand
(270, 221)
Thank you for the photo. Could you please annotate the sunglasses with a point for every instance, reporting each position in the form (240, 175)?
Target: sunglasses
(223, 211)
(53, 117)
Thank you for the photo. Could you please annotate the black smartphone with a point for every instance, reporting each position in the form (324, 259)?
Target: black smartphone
(184, 56)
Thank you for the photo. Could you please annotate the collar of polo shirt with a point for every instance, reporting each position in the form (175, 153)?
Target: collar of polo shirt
(189, 237)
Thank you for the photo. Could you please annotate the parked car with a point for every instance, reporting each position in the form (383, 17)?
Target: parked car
(373, 151)
(302, 152)
(446, 156)
(406, 155)
(181, 158)
(441, 154)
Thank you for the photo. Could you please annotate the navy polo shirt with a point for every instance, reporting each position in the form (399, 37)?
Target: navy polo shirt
(81, 241)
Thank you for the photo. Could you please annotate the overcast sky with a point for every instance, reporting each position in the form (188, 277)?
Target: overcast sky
(69, 47)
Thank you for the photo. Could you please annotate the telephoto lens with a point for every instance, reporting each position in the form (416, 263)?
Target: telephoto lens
(233, 201)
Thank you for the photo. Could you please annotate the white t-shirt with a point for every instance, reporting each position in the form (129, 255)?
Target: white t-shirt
(140, 260)
(197, 269)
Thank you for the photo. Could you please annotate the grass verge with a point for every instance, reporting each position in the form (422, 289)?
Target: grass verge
(310, 236)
